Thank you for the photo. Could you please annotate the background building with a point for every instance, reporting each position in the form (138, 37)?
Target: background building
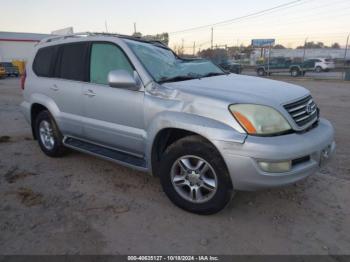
(18, 46)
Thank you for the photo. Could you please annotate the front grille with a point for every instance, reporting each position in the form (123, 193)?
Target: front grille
(303, 111)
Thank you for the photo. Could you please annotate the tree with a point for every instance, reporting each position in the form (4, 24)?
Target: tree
(335, 46)
(279, 47)
(164, 37)
(217, 55)
(312, 44)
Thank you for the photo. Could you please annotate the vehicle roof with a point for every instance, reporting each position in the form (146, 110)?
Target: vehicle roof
(86, 36)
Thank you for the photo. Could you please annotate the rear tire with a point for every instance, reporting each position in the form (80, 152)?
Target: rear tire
(295, 72)
(49, 136)
(261, 72)
(194, 176)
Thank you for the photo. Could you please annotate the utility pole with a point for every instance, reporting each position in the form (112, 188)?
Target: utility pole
(212, 38)
(106, 26)
(135, 28)
(183, 46)
(302, 65)
(194, 48)
(346, 52)
(268, 62)
(305, 49)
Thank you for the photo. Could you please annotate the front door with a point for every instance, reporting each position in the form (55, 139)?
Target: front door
(113, 116)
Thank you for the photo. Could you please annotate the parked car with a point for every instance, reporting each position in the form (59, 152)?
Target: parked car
(323, 64)
(203, 132)
(231, 66)
(10, 69)
(2, 72)
(282, 65)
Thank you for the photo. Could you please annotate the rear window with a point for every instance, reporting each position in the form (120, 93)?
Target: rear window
(328, 60)
(72, 62)
(43, 61)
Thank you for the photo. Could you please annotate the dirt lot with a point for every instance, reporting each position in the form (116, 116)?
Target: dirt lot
(83, 205)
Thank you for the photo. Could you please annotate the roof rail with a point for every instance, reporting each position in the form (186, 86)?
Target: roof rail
(81, 34)
(85, 34)
(62, 37)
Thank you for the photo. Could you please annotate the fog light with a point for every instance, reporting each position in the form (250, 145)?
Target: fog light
(276, 167)
(326, 152)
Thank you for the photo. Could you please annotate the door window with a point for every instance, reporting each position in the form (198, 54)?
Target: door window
(72, 63)
(105, 58)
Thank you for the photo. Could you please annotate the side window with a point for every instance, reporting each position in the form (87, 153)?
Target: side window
(43, 61)
(105, 58)
(72, 61)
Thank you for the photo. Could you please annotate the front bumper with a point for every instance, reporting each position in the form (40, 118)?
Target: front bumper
(242, 159)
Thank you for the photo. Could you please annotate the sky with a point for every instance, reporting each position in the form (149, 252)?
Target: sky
(317, 20)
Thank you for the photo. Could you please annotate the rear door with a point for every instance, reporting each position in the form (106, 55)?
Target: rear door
(113, 116)
(70, 73)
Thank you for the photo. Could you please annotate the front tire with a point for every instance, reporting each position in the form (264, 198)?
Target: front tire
(319, 69)
(49, 137)
(194, 176)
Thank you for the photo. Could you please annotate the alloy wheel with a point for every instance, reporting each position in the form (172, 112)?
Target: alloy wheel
(194, 179)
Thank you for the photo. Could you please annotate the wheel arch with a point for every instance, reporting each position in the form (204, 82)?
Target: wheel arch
(35, 109)
(39, 103)
(209, 130)
(295, 67)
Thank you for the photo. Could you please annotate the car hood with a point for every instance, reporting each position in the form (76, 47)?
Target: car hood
(241, 89)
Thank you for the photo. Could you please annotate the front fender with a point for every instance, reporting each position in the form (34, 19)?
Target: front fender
(210, 129)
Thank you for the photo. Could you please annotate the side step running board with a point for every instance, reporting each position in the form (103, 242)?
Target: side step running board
(106, 153)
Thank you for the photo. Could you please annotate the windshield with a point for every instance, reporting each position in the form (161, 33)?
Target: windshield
(165, 66)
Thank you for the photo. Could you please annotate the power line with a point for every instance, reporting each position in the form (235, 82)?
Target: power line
(301, 12)
(238, 18)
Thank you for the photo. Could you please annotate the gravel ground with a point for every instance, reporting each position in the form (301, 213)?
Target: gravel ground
(83, 205)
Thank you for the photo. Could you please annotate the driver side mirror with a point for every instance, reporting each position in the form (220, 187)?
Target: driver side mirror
(123, 79)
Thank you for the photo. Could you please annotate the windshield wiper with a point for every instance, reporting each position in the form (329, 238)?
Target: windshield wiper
(188, 77)
(213, 74)
(177, 78)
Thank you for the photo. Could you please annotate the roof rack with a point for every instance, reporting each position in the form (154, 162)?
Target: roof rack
(62, 37)
(86, 34)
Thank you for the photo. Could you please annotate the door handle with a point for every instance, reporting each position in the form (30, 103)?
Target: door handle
(54, 88)
(90, 93)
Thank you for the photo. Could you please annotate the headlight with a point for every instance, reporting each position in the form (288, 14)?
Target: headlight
(259, 120)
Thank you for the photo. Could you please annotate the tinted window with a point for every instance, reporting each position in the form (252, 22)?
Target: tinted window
(43, 61)
(105, 58)
(72, 62)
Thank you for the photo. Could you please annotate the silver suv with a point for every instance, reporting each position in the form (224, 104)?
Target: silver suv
(203, 132)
